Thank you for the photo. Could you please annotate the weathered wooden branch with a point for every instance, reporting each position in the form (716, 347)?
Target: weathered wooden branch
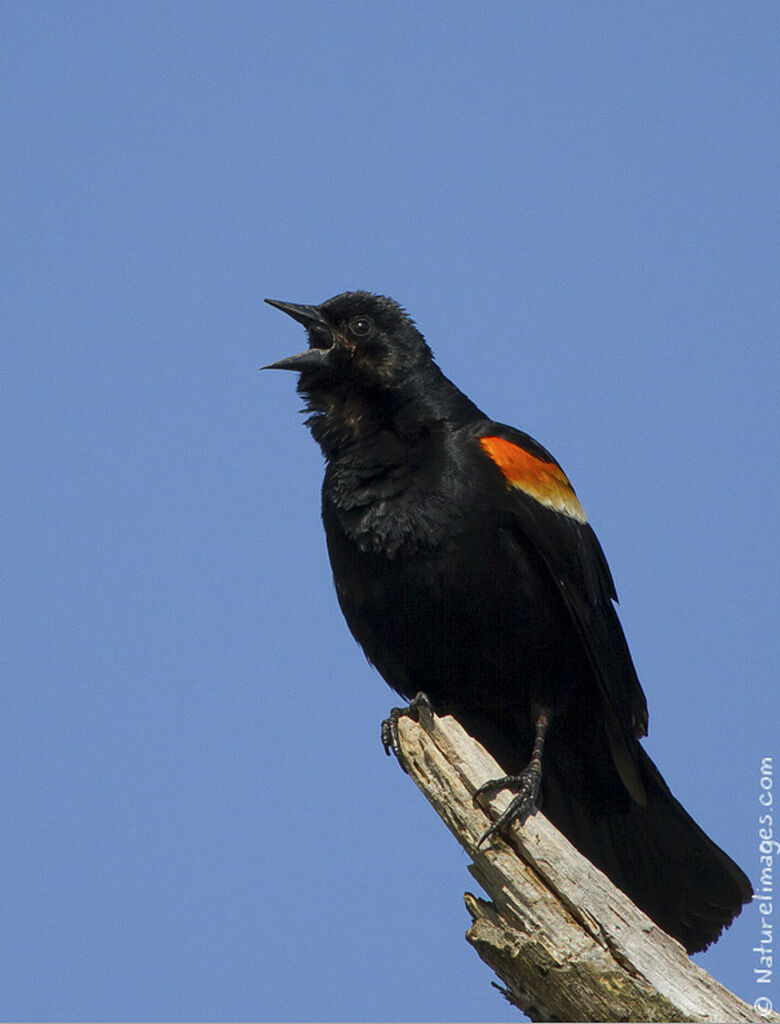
(566, 943)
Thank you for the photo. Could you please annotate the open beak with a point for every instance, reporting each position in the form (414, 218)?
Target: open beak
(319, 330)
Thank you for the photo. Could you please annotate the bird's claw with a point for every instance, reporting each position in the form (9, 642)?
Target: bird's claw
(390, 740)
(526, 785)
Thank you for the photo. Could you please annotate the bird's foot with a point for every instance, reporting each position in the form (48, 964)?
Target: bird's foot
(526, 785)
(390, 740)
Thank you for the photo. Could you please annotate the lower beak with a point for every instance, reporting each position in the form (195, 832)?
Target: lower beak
(311, 359)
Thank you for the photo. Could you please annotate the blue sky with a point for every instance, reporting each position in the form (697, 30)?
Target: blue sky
(578, 204)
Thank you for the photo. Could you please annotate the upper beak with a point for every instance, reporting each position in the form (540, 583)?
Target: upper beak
(306, 315)
(315, 323)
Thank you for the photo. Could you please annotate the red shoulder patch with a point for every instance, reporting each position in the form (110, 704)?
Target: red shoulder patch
(544, 481)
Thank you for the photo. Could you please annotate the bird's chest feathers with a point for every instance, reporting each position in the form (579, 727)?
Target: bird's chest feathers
(386, 494)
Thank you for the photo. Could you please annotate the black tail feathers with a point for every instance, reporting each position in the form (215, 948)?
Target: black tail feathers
(656, 854)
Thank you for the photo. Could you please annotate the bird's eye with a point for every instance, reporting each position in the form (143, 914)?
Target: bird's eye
(360, 327)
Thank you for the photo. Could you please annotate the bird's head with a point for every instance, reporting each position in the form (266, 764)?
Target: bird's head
(356, 339)
(367, 370)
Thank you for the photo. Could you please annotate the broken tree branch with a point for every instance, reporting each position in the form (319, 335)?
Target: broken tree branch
(566, 943)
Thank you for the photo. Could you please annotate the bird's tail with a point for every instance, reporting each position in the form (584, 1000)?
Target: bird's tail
(656, 853)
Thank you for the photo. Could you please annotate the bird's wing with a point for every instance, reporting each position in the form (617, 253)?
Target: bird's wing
(546, 517)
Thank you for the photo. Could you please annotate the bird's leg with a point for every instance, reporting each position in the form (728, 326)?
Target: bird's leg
(390, 740)
(526, 784)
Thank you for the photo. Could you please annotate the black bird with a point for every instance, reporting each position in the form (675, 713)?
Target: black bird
(466, 569)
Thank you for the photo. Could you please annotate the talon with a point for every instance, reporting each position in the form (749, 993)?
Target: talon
(492, 785)
(390, 739)
(487, 834)
(521, 807)
(527, 785)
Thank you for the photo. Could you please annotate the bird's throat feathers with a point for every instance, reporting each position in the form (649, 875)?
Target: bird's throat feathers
(348, 412)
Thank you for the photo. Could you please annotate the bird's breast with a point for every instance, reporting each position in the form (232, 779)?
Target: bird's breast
(390, 496)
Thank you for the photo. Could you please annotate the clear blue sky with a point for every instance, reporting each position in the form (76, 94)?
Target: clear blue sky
(578, 203)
